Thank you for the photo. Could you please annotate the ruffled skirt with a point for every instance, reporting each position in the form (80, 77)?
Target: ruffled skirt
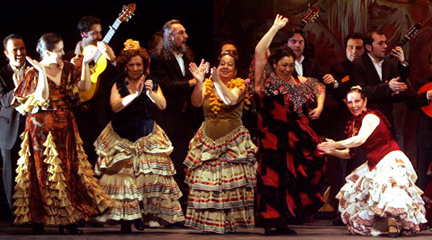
(55, 184)
(138, 176)
(370, 197)
(221, 176)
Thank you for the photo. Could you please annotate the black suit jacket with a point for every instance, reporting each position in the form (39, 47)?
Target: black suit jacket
(340, 71)
(177, 93)
(312, 69)
(380, 96)
(9, 117)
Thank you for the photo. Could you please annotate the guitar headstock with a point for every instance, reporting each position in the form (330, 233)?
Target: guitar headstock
(311, 15)
(413, 31)
(127, 12)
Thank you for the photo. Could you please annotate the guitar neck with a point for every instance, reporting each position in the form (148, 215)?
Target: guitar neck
(108, 36)
(303, 24)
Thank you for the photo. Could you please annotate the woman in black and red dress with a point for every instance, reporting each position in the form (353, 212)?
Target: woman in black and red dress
(289, 165)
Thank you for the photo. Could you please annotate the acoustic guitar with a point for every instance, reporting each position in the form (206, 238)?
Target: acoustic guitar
(310, 16)
(99, 63)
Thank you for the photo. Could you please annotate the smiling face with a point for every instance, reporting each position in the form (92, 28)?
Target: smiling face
(179, 37)
(284, 68)
(16, 52)
(93, 35)
(55, 55)
(354, 49)
(135, 68)
(227, 68)
(355, 103)
(297, 44)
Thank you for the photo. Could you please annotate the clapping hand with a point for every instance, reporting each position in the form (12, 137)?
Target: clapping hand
(89, 56)
(280, 21)
(149, 85)
(140, 85)
(199, 72)
(214, 74)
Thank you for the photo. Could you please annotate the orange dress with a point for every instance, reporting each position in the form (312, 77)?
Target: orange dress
(55, 183)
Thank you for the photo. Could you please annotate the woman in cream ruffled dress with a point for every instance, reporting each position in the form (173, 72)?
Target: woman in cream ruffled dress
(221, 165)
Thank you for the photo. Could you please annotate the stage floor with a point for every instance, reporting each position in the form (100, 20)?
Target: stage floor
(316, 230)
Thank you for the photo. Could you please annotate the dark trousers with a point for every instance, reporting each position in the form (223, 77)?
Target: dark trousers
(10, 158)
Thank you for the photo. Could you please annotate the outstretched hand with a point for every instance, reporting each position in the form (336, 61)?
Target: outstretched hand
(199, 72)
(329, 146)
(280, 21)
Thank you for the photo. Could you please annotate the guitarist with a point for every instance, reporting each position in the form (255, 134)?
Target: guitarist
(93, 115)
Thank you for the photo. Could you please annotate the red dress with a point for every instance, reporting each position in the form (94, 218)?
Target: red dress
(55, 183)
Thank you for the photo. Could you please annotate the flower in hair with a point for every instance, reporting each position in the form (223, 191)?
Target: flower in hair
(131, 45)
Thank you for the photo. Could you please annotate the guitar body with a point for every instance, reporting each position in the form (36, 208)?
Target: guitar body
(95, 71)
(426, 109)
(99, 63)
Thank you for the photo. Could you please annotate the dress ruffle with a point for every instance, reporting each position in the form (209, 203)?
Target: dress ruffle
(113, 149)
(221, 176)
(236, 147)
(59, 208)
(26, 104)
(138, 176)
(388, 190)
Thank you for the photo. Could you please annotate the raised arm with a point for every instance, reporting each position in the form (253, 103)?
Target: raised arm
(263, 46)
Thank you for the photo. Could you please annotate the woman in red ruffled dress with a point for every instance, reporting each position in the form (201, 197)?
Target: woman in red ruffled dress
(380, 195)
(55, 183)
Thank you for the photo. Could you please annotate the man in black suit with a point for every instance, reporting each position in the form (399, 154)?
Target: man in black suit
(382, 80)
(171, 68)
(11, 122)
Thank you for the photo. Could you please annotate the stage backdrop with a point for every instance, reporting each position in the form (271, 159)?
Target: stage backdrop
(246, 21)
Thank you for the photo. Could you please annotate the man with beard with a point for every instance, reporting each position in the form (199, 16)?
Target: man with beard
(93, 115)
(11, 122)
(178, 120)
(382, 80)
